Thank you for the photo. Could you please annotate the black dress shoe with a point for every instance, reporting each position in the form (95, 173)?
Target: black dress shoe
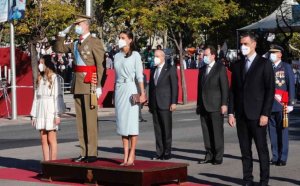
(143, 120)
(250, 183)
(167, 157)
(90, 159)
(79, 159)
(281, 163)
(273, 162)
(204, 161)
(217, 162)
(157, 157)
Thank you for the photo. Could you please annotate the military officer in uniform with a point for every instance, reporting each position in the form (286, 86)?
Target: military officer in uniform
(284, 81)
(89, 56)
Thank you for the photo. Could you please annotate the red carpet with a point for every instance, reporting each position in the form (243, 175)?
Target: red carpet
(30, 176)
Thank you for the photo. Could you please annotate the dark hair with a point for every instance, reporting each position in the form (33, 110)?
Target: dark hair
(131, 46)
(48, 62)
(212, 50)
(249, 34)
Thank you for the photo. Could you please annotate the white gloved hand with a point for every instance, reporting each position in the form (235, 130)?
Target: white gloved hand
(290, 109)
(98, 92)
(65, 31)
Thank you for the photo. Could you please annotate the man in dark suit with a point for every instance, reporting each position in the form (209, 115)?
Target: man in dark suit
(250, 102)
(212, 105)
(163, 95)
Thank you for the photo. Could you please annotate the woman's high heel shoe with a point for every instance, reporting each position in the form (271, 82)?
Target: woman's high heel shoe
(129, 164)
(123, 164)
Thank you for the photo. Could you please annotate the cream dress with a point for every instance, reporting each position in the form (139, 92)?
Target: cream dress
(48, 103)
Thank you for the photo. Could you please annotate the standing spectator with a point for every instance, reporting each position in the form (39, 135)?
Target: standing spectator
(163, 96)
(128, 66)
(220, 53)
(251, 99)
(212, 83)
(284, 81)
(88, 52)
(109, 62)
(149, 57)
(47, 107)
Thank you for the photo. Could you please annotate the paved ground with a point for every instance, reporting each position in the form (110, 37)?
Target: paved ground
(20, 147)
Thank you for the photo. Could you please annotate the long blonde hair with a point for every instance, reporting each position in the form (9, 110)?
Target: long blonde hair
(48, 72)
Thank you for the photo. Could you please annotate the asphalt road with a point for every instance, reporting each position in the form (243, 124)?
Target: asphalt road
(20, 148)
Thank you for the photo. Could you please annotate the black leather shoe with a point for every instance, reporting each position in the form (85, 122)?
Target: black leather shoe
(167, 157)
(281, 163)
(273, 162)
(157, 157)
(79, 159)
(204, 161)
(90, 159)
(143, 120)
(250, 183)
(217, 162)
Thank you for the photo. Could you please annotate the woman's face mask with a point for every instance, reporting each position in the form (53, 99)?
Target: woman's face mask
(41, 67)
(122, 43)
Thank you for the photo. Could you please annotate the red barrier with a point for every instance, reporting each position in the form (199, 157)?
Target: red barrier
(23, 82)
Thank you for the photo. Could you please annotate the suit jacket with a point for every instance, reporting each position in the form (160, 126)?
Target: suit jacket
(213, 88)
(252, 93)
(165, 93)
(92, 53)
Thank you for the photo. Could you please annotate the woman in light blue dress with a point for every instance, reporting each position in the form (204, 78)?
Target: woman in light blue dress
(128, 67)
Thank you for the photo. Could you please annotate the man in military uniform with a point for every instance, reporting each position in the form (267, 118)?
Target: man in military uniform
(284, 83)
(89, 56)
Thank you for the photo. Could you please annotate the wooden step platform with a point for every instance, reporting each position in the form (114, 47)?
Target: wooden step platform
(109, 172)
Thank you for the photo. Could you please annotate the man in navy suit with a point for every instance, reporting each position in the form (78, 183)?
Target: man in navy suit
(163, 96)
(250, 102)
(284, 81)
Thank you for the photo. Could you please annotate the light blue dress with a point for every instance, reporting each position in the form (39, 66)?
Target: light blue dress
(126, 70)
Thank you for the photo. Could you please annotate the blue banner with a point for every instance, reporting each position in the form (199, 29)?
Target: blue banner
(12, 10)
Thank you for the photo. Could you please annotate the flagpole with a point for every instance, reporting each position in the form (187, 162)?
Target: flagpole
(13, 72)
(88, 7)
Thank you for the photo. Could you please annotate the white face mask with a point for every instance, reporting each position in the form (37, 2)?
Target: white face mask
(78, 30)
(156, 61)
(273, 57)
(122, 43)
(245, 50)
(41, 67)
(206, 60)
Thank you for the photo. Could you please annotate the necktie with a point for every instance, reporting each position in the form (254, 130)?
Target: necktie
(207, 70)
(80, 39)
(247, 65)
(156, 75)
(273, 65)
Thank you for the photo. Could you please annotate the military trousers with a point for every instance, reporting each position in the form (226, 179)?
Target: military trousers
(87, 126)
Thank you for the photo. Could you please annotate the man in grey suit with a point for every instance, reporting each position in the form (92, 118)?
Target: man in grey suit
(213, 89)
(163, 95)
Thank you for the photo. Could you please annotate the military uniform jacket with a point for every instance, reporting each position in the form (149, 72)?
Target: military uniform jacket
(284, 80)
(91, 52)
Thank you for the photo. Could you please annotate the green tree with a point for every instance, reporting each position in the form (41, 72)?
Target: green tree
(43, 19)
